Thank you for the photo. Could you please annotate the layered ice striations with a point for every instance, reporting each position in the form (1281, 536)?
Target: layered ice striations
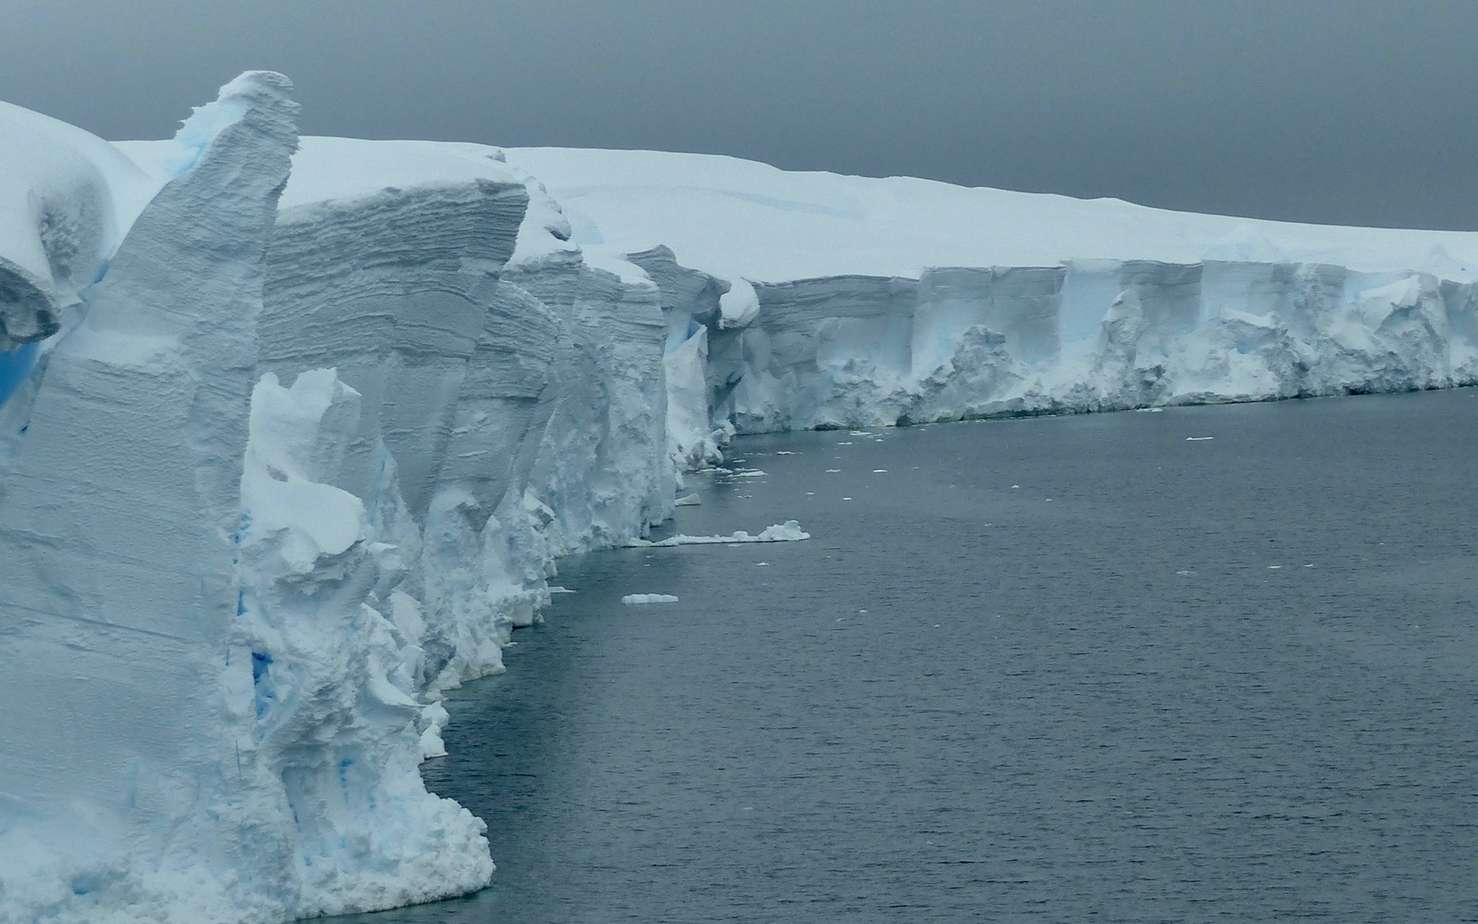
(126, 794)
(292, 432)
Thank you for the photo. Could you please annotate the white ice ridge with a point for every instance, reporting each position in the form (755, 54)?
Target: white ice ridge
(292, 432)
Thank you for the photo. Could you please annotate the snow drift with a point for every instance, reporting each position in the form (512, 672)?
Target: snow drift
(293, 430)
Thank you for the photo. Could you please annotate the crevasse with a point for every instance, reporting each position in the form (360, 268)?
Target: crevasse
(292, 432)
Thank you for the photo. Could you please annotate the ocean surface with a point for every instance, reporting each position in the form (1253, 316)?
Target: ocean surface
(1058, 669)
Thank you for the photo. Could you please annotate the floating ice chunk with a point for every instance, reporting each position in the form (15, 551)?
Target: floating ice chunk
(1275, 567)
(789, 531)
(687, 500)
(832, 471)
(749, 473)
(844, 443)
(1198, 439)
(1015, 486)
(1150, 410)
(880, 471)
(762, 564)
(643, 599)
(560, 590)
(785, 452)
(859, 433)
(846, 498)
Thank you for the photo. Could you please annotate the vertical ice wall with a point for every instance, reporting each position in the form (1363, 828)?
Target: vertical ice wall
(119, 512)
(517, 389)
(1088, 335)
(228, 669)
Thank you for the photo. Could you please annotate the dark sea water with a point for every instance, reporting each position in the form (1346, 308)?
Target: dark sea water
(1064, 669)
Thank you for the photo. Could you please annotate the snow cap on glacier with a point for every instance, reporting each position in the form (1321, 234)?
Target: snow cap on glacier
(739, 218)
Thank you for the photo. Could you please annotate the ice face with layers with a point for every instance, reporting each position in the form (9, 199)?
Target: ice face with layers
(449, 396)
(127, 681)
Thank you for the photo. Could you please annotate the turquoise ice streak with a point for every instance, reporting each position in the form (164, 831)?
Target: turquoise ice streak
(15, 365)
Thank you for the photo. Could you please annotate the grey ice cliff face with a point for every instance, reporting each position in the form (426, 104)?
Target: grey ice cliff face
(118, 576)
(965, 342)
(279, 465)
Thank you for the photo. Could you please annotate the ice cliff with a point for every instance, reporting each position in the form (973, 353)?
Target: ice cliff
(297, 460)
(799, 300)
(292, 431)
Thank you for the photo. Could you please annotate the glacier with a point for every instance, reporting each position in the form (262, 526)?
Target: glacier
(813, 300)
(293, 431)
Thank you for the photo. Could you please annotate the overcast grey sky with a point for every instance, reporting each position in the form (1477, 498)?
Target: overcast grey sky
(1350, 111)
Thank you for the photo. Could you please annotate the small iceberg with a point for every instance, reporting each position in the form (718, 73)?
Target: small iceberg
(1198, 439)
(789, 531)
(643, 599)
(688, 500)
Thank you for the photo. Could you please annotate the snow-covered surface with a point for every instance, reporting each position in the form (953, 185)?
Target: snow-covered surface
(66, 200)
(292, 432)
(740, 218)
